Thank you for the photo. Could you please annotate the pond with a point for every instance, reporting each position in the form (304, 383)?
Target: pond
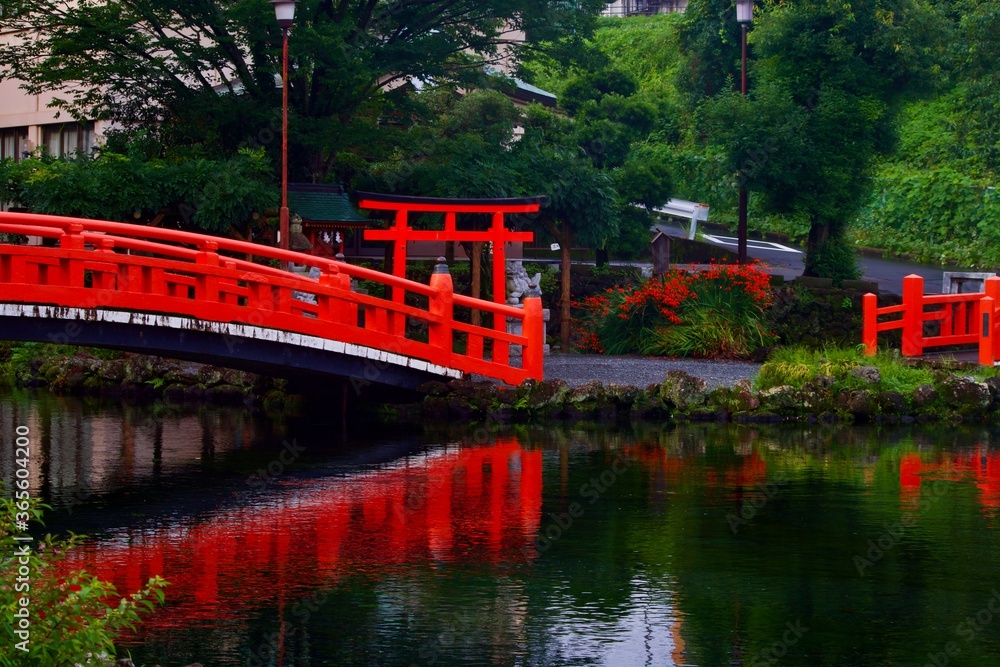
(289, 542)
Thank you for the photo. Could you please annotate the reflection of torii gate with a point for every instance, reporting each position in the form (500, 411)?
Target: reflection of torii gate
(498, 234)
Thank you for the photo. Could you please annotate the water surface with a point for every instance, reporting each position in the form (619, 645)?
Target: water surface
(287, 544)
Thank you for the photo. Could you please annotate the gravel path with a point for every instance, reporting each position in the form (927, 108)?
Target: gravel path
(577, 369)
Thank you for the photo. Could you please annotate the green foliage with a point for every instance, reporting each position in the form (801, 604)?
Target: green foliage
(933, 200)
(211, 195)
(834, 258)
(716, 313)
(74, 616)
(719, 321)
(819, 109)
(205, 76)
(795, 366)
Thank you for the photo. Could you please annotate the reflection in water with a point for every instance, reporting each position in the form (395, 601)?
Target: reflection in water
(451, 505)
(703, 545)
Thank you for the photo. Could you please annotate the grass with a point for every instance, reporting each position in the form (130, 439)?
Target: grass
(797, 365)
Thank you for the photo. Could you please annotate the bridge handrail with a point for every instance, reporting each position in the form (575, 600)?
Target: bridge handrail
(126, 231)
(187, 268)
(965, 319)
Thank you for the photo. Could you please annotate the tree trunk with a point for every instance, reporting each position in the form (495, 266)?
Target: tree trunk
(564, 266)
(819, 234)
(601, 257)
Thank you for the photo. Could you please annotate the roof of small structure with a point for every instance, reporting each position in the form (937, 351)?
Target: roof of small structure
(322, 203)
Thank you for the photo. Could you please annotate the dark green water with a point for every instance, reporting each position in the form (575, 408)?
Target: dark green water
(696, 545)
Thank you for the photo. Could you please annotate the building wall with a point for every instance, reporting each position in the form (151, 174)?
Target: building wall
(27, 122)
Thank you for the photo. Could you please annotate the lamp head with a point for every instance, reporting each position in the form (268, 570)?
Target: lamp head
(284, 11)
(744, 11)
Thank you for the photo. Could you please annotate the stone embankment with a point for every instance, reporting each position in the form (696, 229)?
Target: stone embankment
(683, 397)
(137, 376)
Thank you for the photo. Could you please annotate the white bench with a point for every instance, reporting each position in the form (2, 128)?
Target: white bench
(688, 210)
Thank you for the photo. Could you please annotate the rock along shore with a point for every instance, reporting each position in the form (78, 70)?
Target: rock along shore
(684, 397)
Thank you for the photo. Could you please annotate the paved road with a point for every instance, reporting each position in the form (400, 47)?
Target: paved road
(786, 259)
(577, 369)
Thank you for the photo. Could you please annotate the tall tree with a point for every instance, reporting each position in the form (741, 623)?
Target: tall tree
(205, 72)
(824, 80)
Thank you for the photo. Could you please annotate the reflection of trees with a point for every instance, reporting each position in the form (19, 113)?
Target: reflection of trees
(795, 558)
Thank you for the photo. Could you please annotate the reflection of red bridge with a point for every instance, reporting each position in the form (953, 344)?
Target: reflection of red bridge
(177, 294)
(981, 466)
(475, 504)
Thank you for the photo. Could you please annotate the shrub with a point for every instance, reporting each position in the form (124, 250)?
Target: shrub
(714, 313)
(72, 618)
(834, 259)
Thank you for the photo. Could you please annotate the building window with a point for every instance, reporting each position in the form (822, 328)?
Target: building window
(13, 142)
(68, 139)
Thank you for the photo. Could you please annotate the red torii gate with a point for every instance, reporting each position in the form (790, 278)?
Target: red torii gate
(498, 234)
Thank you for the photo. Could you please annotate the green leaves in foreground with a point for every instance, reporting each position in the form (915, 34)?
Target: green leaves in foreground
(74, 616)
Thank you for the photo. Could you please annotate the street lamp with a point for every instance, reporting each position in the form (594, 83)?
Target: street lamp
(744, 15)
(284, 11)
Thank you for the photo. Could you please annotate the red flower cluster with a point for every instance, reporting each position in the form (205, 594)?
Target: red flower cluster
(749, 278)
(663, 302)
(665, 296)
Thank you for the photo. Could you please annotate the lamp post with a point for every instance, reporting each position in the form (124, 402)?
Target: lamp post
(744, 15)
(284, 11)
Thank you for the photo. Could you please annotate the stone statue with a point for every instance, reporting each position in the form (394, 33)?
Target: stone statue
(518, 280)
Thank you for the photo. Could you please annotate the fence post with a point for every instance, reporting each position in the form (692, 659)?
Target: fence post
(71, 269)
(869, 323)
(207, 288)
(913, 316)
(986, 355)
(442, 310)
(991, 288)
(532, 358)
(329, 310)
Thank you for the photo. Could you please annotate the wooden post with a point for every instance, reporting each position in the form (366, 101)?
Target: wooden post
(869, 323)
(499, 265)
(533, 359)
(986, 352)
(991, 288)
(207, 288)
(442, 310)
(399, 249)
(476, 267)
(913, 320)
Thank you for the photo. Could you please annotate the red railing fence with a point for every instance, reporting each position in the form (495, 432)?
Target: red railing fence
(138, 268)
(964, 319)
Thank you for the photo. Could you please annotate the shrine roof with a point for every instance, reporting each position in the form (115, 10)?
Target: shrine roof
(322, 203)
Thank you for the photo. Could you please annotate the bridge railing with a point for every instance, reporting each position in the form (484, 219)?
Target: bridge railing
(964, 319)
(148, 269)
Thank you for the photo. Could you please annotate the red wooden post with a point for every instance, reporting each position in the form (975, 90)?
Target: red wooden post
(869, 323)
(328, 305)
(532, 359)
(442, 309)
(207, 288)
(913, 315)
(399, 249)
(105, 279)
(499, 266)
(351, 317)
(986, 351)
(991, 288)
(72, 270)
(72, 239)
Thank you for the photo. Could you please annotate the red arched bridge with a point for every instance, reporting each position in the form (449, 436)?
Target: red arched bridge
(203, 298)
